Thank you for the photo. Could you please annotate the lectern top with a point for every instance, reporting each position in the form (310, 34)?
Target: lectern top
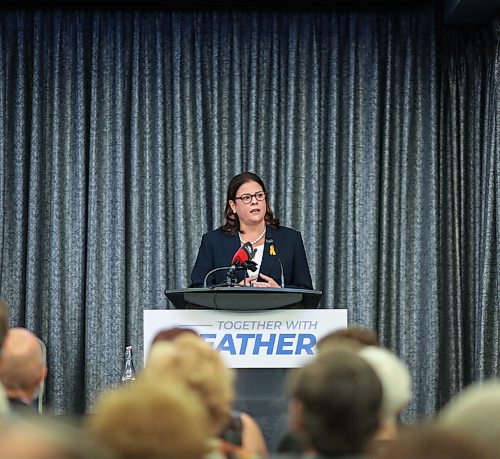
(243, 298)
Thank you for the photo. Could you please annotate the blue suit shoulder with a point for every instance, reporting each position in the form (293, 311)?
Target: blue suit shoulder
(216, 234)
(286, 231)
(285, 234)
(281, 230)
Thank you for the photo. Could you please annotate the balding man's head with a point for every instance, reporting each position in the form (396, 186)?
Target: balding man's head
(22, 367)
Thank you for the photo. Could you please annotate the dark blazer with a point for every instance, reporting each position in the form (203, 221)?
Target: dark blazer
(282, 244)
(20, 407)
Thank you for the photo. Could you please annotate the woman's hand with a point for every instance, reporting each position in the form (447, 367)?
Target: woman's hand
(269, 282)
(248, 281)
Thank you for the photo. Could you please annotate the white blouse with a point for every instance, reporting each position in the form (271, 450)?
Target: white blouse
(258, 260)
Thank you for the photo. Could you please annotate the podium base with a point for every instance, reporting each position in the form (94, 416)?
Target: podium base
(261, 393)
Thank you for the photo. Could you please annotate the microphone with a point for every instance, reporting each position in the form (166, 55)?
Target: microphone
(271, 241)
(242, 258)
(243, 254)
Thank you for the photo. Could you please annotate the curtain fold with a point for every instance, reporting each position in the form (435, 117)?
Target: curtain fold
(377, 134)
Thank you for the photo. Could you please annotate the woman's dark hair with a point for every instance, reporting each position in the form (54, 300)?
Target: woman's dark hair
(232, 223)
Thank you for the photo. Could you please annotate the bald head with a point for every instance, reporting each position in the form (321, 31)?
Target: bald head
(22, 368)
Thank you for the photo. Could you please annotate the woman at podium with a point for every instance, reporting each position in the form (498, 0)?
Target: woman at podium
(277, 251)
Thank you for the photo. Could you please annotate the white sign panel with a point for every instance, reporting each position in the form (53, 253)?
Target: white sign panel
(280, 338)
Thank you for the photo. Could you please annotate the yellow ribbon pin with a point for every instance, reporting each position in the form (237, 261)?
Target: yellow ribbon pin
(271, 250)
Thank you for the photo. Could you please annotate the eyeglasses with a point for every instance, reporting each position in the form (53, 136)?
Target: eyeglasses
(247, 198)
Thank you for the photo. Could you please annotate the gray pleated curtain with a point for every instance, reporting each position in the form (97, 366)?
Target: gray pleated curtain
(377, 134)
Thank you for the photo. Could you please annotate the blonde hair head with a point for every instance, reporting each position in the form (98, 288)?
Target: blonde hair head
(202, 368)
(151, 418)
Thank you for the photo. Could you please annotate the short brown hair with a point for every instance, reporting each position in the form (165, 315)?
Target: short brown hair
(431, 442)
(169, 334)
(356, 335)
(340, 397)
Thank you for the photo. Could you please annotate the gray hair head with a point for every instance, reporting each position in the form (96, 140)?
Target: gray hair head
(475, 411)
(394, 377)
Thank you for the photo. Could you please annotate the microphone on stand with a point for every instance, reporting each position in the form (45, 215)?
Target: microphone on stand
(243, 254)
(271, 241)
(241, 259)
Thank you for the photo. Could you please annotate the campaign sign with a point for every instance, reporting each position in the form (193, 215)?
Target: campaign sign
(281, 338)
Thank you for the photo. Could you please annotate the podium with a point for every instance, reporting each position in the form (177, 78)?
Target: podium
(244, 298)
(259, 391)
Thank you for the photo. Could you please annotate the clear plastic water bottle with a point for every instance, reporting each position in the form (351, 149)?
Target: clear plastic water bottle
(128, 373)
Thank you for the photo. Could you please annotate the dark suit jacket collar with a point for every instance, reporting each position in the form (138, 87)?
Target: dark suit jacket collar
(230, 244)
(270, 258)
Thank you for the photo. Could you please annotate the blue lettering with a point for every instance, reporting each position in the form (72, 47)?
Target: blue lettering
(285, 340)
(227, 344)
(244, 341)
(259, 342)
(305, 342)
(241, 343)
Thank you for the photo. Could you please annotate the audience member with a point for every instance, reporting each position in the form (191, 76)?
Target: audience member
(150, 420)
(241, 429)
(434, 443)
(202, 368)
(22, 370)
(475, 411)
(169, 334)
(396, 389)
(335, 403)
(34, 437)
(354, 337)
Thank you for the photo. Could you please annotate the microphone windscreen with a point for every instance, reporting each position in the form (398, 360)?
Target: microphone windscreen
(240, 257)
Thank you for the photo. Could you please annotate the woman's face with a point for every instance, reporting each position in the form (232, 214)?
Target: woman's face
(253, 212)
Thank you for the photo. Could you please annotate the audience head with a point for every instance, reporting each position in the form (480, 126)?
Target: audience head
(169, 334)
(354, 337)
(395, 379)
(434, 443)
(23, 364)
(202, 368)
(335, 402)
(475, 411)
(38, 437)
(4, 320)
(150, 419)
